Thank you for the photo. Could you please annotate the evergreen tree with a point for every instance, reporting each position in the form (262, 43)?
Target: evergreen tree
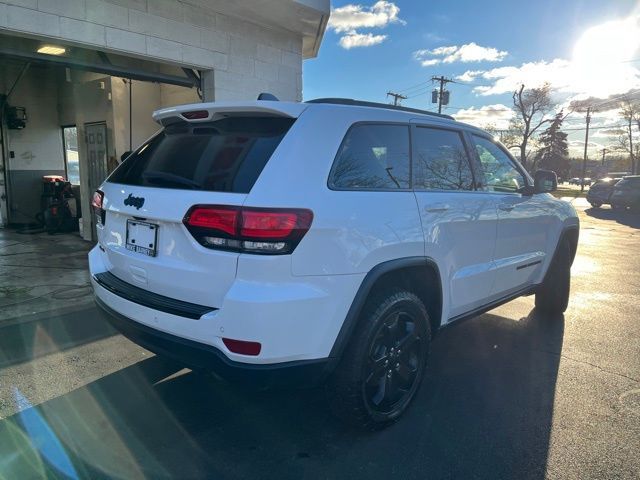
(554, 151)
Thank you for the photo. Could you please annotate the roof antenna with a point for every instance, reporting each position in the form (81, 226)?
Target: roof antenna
(268, 96)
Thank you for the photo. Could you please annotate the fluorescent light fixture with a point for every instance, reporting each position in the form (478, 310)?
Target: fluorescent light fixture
(51, 50)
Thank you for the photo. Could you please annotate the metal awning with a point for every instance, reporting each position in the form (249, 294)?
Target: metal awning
(102, 64)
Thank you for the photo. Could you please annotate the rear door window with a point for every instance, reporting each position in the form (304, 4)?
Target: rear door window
(440, 161)
(227, 155)
(373, 157)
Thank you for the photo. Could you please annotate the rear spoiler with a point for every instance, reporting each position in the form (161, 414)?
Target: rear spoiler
(206, 112)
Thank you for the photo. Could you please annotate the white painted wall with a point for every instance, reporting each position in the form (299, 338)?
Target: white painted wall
(39, 145)
(247, 58)
(37, 149)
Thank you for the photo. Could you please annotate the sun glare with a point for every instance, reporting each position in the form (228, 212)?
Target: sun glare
(603, 55)
(611, 42)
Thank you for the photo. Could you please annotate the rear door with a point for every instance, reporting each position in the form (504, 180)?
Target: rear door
(525, 222)
(459, 223)
(147, 197)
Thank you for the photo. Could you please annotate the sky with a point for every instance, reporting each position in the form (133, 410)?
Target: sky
(583, 48)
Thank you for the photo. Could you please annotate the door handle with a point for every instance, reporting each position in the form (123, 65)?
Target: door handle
(437, 208)
(506, 207)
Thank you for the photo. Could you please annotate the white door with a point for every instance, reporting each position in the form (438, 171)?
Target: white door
(523, 220)
(459, 223)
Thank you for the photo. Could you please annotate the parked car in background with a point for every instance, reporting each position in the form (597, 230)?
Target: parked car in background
(600, 192)
(626, 193)
(580, 181)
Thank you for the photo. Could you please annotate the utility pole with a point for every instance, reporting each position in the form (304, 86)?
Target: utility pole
(604, 152)
(441, 94)
(586, 142)
(396, 97)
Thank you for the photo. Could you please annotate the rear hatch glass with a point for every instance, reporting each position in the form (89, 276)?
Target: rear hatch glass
(226, 155)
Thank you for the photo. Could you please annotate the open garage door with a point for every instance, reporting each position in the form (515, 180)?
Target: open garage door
(109, 98)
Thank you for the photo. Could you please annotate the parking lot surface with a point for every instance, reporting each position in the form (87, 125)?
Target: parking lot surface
(509, 394)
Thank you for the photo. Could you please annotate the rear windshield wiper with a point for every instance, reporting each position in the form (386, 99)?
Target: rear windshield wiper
(157, 177)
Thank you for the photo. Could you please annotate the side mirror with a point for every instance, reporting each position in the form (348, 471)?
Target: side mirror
(124, 156)
(545, 181)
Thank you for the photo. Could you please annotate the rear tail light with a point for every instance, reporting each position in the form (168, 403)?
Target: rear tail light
(96, 203)
(252, 230)
(242, 347)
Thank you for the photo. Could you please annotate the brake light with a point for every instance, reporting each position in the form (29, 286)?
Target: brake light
(242, 347)
(224, 219)
(96, 202)
(245, 229)
(265, 224)
(195, 115)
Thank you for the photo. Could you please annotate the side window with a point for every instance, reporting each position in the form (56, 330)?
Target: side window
(440, 161)
(500, 175)
(373, 157)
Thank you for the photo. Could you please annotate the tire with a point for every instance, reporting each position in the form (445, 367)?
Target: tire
(596, 204)
(377, 378)
(553, 295)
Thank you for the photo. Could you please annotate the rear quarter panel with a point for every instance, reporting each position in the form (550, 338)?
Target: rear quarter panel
(352, 231)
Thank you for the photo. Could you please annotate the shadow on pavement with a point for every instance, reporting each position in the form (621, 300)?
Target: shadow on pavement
(484, 411)
(25, 341)
(628, 218)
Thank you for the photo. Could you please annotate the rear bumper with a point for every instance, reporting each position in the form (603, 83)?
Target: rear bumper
(198, 355)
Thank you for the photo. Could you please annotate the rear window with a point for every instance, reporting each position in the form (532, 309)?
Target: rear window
(227, 155)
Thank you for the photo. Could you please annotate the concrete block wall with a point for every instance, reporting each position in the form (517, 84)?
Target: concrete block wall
(246, 58)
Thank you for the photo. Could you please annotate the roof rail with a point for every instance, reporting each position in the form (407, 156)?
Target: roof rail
(361, 103)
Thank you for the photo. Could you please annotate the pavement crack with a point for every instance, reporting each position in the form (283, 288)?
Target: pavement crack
(611, 372)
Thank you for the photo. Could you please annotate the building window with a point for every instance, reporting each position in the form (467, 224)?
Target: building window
(72, 165)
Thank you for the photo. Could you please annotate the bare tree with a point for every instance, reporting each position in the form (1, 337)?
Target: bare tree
(532, 107)
(630, 111)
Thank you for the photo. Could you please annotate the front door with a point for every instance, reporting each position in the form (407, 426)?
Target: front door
(96, 140)
(459, 223)
(523, 220)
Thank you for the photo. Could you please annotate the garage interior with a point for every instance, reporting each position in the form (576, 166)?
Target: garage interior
(73, 112)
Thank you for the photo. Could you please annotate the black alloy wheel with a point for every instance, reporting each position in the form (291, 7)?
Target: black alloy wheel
(394, 364)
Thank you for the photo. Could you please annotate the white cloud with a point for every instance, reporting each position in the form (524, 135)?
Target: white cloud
(497, 115)
(351, 18)
(469, 75)
(470, 52)
(354, 39)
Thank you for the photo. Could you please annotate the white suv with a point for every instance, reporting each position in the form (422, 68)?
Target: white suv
(279, 242)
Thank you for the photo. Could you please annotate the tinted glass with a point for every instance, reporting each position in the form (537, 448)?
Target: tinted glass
(222, 156)
(500, 174)
(373, 157)
(440, 161)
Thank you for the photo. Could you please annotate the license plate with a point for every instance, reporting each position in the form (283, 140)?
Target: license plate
(142, 237)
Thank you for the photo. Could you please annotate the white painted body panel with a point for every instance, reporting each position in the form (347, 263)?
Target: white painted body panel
(460, 234)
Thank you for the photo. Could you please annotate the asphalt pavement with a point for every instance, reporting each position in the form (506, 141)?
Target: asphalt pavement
(509, 394)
